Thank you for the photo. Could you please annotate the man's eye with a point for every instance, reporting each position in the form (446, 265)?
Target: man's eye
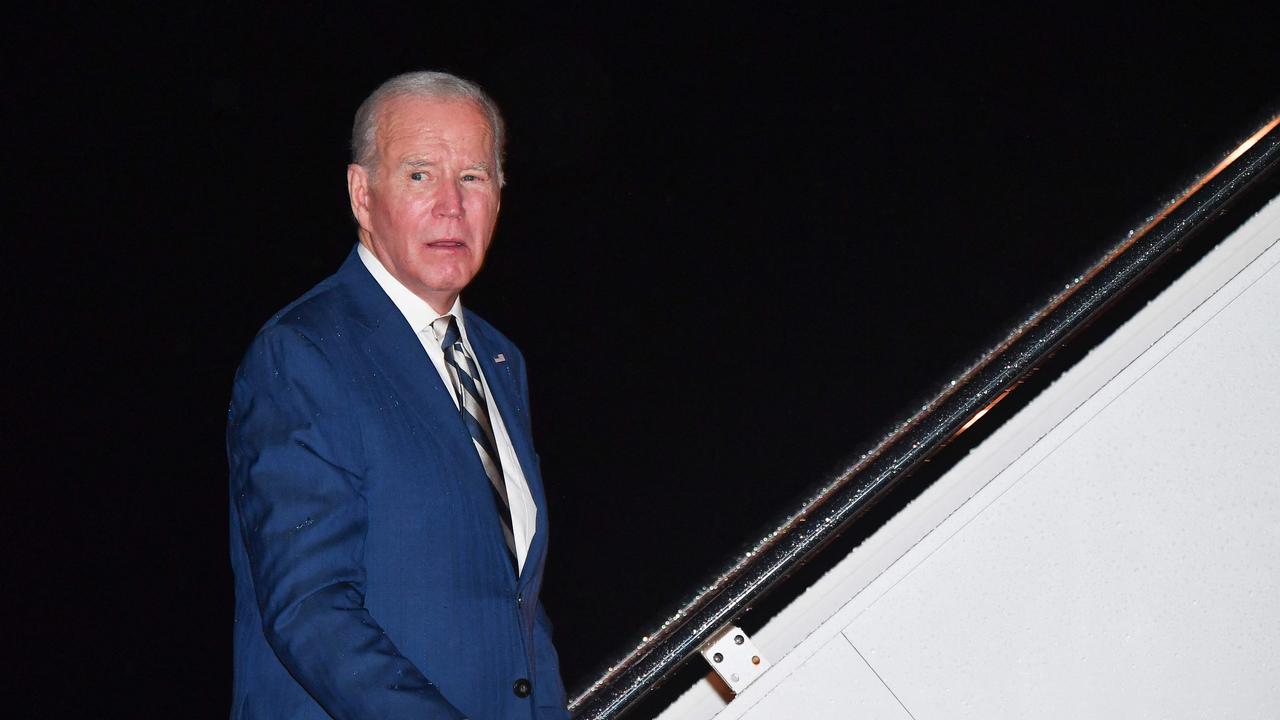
(470, 178)
(417, 176)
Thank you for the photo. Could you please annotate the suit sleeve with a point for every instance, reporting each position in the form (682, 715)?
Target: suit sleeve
(295, 456)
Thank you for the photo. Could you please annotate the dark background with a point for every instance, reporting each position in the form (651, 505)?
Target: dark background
(735, 246)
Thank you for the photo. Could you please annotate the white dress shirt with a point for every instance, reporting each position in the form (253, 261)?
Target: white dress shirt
(524, 513)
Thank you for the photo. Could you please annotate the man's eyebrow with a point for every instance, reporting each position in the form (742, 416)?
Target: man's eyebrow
(479, 166)
(418, 162)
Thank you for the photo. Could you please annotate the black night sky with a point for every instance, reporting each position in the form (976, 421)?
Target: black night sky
(735, 246)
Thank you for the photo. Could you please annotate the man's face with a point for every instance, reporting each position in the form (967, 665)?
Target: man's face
(429, 208)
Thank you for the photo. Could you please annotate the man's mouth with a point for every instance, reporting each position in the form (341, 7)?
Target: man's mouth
(446, 244)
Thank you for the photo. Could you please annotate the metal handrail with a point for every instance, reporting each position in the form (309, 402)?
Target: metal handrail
(831, 510)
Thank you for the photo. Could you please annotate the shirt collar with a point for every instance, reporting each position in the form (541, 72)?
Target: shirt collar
(415, 310)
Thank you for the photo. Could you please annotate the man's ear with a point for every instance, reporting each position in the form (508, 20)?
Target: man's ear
(358, 193)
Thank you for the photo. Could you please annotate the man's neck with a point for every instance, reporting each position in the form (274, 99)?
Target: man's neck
(419, 311)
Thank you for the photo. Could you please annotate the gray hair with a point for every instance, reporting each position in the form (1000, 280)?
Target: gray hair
(425, 84)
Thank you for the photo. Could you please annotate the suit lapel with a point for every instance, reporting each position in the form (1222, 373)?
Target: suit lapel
(511, 406)
(406, 366)
(393, 347)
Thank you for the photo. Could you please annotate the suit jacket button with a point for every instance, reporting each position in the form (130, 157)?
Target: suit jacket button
(523, 688)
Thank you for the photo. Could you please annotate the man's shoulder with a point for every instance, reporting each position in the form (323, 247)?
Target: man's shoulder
(335, 305)
(314, 310)
(332, 313)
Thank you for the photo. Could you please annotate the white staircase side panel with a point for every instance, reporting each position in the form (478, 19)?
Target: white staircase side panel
(1116, 523)
(834, 683)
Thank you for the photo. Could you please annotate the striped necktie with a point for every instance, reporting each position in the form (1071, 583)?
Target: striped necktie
(475, 415)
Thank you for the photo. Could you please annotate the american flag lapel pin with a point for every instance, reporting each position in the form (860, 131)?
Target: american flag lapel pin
(499, 358)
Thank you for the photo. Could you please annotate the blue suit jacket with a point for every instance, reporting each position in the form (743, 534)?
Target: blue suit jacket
(372, 579)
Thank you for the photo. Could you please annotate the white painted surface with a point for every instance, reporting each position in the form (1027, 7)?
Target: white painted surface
(1133, 572)
(834, 683)
(1112, 551)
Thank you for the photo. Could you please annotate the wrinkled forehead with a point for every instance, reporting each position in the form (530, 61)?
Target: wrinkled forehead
(409, 119)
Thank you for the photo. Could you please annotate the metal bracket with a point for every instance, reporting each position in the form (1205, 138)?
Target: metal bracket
(734, 657)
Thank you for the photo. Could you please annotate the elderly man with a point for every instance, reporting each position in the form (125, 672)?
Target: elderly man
(388, 523)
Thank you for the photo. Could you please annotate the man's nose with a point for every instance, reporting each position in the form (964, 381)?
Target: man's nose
(449, 201)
